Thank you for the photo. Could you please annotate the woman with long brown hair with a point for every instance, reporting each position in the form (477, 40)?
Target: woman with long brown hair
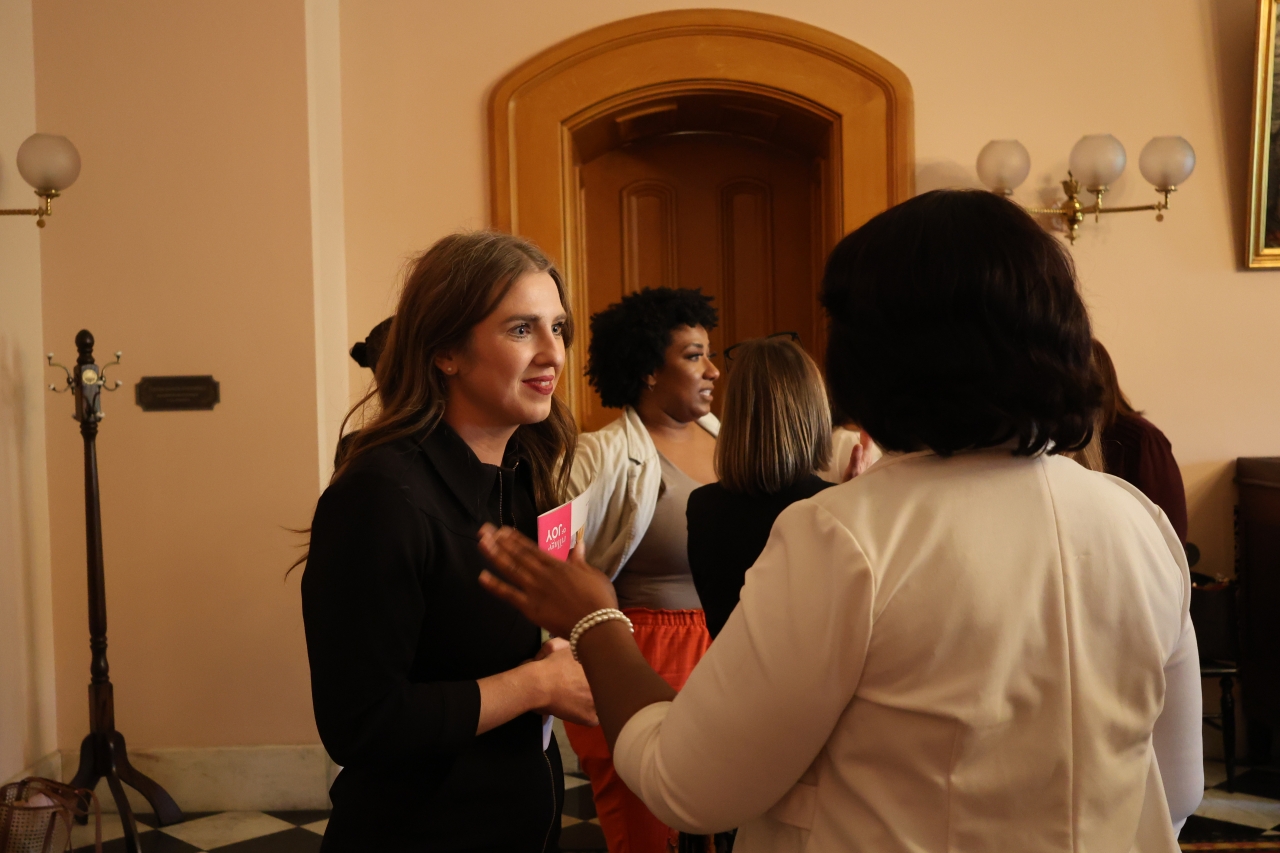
(432, 695)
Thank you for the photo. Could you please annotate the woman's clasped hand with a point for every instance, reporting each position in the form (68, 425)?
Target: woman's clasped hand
(552, 593)
(568, 696)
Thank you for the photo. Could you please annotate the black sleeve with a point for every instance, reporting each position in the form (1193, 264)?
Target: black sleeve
(362, 606)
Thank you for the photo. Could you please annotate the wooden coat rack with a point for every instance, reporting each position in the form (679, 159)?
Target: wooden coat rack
(102, 752)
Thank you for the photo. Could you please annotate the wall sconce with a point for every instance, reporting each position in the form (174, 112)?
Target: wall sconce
(50, 164)
(1096, 161)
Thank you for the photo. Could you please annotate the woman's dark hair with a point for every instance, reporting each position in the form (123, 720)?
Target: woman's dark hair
(365, 353)
(955, 323)
(1114, 401)
(629, 339)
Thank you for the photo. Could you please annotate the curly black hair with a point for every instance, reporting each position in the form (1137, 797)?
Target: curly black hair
(629, 339)
(956, 323)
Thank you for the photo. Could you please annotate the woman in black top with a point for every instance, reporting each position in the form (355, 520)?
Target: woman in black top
(431, 694)
(775, 433)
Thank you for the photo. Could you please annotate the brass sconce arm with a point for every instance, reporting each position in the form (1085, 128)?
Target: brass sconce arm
(1073, 212)
(39, 212)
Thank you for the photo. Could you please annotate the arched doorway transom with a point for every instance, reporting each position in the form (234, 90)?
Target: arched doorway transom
(755, 77)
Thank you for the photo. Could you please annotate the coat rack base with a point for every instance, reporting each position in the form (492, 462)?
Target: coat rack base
(103, 755)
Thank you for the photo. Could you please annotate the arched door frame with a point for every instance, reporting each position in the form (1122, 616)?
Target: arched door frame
(535, 111)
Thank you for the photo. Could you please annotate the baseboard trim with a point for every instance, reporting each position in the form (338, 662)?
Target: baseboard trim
(228, 778)
(49, 767)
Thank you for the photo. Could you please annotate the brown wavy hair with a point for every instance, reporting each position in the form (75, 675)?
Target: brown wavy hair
(448, 290)
(1114, 401)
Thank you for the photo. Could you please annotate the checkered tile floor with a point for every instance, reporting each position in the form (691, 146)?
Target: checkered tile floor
(1246, 819)
(300, 832)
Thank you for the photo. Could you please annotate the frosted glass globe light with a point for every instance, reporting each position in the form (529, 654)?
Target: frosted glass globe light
(1097, 160)
(1003, 164)
(48, 162)
(1167, 161)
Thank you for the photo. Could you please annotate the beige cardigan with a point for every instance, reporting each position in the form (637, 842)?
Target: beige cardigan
(624, 461)
(975, 653)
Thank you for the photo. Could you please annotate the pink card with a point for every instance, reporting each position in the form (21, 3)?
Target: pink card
(555, 531)
(559, 528)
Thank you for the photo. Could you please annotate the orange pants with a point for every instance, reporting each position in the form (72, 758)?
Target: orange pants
(672, 641)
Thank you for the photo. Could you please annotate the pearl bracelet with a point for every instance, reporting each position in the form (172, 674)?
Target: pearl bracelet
(599, 617)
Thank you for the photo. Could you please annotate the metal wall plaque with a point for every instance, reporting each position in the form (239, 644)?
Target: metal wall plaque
(176, 393)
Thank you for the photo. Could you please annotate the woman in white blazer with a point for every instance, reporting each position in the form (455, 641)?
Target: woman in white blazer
(649, 355)
(975, 645)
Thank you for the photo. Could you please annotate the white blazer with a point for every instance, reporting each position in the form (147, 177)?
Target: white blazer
(975, 653)
(624, 459)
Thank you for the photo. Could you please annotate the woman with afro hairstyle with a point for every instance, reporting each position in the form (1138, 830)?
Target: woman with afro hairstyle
(650, 356)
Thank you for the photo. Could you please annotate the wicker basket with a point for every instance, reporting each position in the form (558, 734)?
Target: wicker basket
(36, 816)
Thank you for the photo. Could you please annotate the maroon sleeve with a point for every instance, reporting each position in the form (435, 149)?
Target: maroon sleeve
(1160, 479)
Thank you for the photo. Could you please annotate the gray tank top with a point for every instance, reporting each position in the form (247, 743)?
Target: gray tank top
(657, 576)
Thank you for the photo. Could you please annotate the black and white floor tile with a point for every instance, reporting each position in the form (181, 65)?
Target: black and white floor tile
(300, 832)
(226, 832)
(1246, 818)
(1243, 819)
(579, 827)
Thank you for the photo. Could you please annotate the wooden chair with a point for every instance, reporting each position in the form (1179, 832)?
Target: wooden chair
(1213, 612)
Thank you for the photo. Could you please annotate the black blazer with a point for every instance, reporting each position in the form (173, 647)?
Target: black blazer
(727, 532)
(398, 631)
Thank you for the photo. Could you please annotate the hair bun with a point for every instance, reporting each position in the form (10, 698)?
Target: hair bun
(360, 352)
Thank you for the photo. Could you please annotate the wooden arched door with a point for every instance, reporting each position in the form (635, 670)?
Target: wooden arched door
(706, 148)
(721, 193)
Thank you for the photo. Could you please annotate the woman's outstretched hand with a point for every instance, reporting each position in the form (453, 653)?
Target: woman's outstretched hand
(551, 593)
(556, 594)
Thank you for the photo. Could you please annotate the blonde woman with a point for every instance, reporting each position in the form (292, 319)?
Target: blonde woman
(776, 433)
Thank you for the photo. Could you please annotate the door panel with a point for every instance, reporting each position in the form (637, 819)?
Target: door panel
(648, 236)
(732, 216)
(746, 238)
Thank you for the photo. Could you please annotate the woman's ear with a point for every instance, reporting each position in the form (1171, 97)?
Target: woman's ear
(651, 380)
(447, 363)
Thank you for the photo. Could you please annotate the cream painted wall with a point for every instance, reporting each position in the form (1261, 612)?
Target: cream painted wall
(1193, 337)
(28, 718)
(187, 244)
